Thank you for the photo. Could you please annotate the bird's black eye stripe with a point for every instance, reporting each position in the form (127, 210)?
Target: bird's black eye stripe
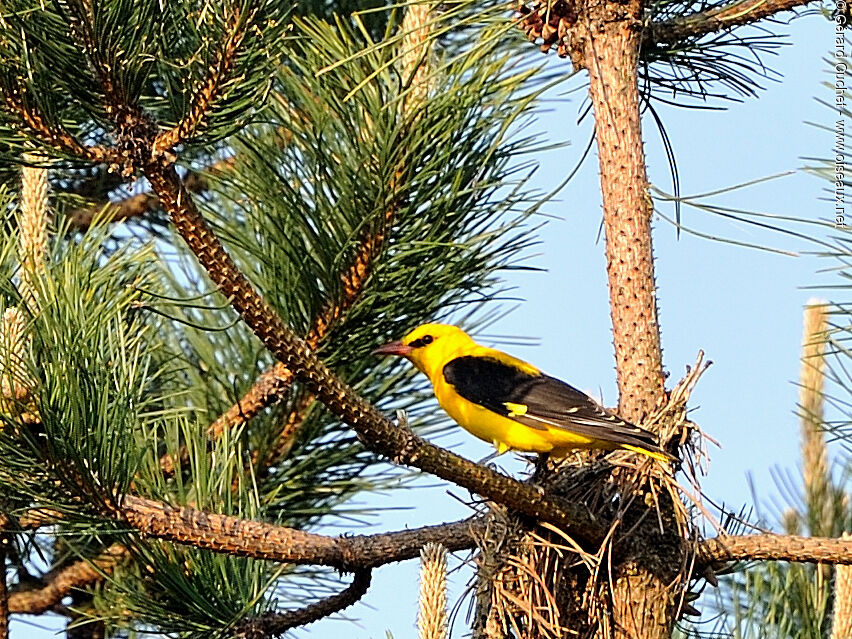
(423, 341)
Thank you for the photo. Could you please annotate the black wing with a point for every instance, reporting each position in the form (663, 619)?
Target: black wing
(546, 401)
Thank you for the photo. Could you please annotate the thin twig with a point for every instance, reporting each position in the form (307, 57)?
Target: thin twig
(272, 624)
(722, 18)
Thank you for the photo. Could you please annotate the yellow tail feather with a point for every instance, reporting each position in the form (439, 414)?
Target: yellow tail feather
(663, 457)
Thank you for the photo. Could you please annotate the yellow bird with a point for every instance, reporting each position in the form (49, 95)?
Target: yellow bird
(512, 404)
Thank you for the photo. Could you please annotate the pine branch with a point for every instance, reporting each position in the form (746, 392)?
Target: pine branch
(373, 429)
(273, 624)
(274, 382)
(65, 580)
(723, 18)
(260, 540)
(54, 133)
(268, 389)
(82, 20)
(771, 547)
(134, 206)
(217, 75)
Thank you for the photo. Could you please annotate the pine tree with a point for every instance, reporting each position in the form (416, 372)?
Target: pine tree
(244, 201)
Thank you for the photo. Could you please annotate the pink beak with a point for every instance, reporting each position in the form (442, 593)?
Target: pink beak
(393, 348)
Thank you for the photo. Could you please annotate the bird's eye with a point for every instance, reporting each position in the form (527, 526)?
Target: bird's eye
(421, 342)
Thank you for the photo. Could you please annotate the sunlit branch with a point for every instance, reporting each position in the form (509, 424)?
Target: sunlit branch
(246, 538)
(771, 547)
(373, 429)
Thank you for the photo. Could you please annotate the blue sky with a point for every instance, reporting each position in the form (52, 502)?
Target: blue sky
(742, 307)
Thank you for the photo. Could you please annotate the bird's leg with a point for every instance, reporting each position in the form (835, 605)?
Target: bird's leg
(540, 466)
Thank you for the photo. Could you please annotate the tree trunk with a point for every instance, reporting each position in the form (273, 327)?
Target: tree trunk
(642, 603)
(611, 52)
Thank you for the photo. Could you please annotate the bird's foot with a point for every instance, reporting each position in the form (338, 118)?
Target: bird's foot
(541, 466)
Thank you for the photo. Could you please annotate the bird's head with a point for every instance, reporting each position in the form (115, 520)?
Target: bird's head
(429, 346)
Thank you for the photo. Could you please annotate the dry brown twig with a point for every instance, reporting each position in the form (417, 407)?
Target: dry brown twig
(272, 624)
(722, 18)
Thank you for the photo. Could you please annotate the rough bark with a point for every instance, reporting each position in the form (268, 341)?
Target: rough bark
(245, 538)
(611, 57)
(65, 581)
(643, 602)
